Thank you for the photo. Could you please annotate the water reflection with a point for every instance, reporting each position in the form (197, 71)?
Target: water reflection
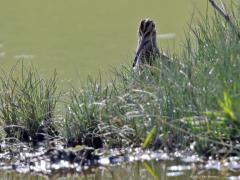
(134, 171)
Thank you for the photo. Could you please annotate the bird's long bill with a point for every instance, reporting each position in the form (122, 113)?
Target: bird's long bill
(140, 47)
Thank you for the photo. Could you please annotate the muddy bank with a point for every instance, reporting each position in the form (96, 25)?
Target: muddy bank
(81, 161)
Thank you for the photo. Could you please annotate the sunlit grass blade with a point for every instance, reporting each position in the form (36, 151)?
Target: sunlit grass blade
(151, 171)
(149, 138)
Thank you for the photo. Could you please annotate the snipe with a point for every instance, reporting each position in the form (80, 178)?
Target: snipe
(147, 51)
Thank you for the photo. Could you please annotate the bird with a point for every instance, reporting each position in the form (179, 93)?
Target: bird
(147, 51)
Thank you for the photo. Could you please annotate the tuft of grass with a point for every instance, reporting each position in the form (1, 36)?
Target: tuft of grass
(219, 127)
(171, 96)
(27, 103)
(94, 116)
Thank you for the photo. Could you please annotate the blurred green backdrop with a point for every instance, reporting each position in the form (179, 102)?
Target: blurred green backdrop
(82, 37)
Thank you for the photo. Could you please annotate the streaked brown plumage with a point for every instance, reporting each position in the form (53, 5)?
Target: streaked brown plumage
(147, 51)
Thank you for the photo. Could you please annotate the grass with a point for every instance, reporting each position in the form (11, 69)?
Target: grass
(27, 103)
(190, 102)
(95, 113)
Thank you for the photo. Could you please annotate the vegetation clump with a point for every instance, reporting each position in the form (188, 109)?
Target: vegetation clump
(27, 104)
(190, 103)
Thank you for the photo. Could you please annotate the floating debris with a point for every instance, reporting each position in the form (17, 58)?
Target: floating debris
(24, 56)
(167, 36)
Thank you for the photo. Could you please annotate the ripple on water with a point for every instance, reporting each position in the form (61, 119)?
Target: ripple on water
(177, 173)
(234, 166)
(180, 168)
(233, 177)
(191, 159)
(213, 164)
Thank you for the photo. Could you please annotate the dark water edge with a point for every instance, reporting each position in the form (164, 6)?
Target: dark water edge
(116, 164)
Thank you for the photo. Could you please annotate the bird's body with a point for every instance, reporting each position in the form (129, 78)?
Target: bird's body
(147, 51)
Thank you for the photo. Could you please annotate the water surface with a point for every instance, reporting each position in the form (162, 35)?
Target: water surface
(172, 170)
(82, 37)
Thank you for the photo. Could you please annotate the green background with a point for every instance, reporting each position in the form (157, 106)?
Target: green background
(82, 37)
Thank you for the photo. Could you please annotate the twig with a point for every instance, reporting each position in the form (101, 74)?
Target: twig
(12, 126)
(223, 12)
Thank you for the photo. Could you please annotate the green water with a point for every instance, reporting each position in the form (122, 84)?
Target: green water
(82, 37)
